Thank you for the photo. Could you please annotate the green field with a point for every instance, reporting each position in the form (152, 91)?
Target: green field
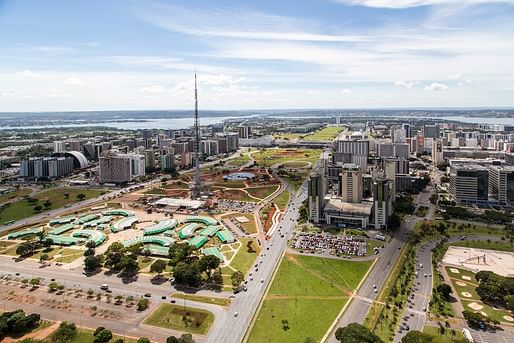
(172, 317)
(203, 299)
(305, 297)
(269, 157)
(86, 336)
(246, 255)
(325, 134)
(23, 208)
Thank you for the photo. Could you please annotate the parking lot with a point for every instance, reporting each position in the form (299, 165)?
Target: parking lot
(327, 243)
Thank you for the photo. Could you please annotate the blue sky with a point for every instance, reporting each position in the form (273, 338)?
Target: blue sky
(255, 54)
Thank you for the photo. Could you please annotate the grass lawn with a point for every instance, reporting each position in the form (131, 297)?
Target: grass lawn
(325, 134)
(203, 299)
(447, 333)
(262, 192)
(305, 297)
(236, 194)
(246, 255)
(19, 193)
(6, 244)
(86, 336)
(287, 136)
(282, 199)
(171, 317)
(469, 286)
(144, 262)
(493, 245)
(56, 196)
(269, 157)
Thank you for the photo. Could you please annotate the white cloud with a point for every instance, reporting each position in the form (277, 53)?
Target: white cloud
(154, 89)
(239, 24)
(404, 84)
(27, 73)
(417, 3)
(8, 91)
(436, 87)
(73, 81)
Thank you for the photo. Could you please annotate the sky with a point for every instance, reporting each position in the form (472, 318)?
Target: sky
(61, 55)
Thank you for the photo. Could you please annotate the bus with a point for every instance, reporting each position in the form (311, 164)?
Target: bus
(9, 222)
(467, 335)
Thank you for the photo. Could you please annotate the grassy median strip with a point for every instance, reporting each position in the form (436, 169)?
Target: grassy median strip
(203, 299)
(181, 318)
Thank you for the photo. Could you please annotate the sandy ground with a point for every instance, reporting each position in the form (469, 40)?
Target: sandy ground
(499, 262)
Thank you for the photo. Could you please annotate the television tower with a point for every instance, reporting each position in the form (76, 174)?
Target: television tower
(197, 186)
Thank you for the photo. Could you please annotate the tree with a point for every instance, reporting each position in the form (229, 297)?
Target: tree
(187, 274)
(142, 304)
(416, 337)
(52, 286)
(209, 263)
(473, 319)
(356, 333)
(129, 265)
(237, 278)
(143, 340)
(24, 249)
(92, 263)
(158, 267)
(65, 333)
(16, 323)
(103, 336)
(445, 290)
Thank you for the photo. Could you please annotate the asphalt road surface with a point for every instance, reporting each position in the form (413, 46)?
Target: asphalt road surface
(359, 306)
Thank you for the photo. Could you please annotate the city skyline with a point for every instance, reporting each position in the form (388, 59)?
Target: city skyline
(139, 55)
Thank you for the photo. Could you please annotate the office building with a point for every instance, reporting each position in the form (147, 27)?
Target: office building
(167, 162)
(137, 165)
(469, 183)
(431, 131)
(59, 146)
(351, 183)
(401, 150)
(382, 201)
(244, 132)
(437, 151)
(357, 150)
(501, 183)
(316, 190)
(149, 159)
(115, 169)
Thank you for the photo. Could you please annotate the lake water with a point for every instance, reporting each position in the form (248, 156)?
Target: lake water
(160, 123)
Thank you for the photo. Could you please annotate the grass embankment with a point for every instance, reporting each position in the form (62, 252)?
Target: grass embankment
(305, 297)
(175, 317)
(54, 198)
